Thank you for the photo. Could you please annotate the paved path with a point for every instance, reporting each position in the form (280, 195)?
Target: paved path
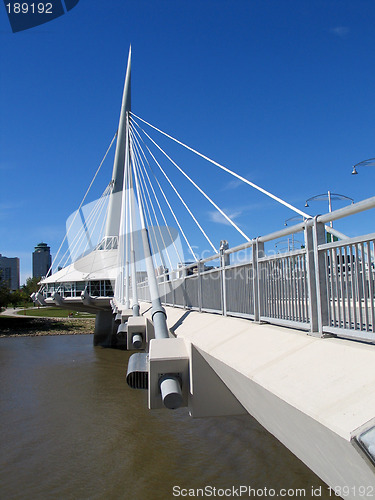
(10, 311)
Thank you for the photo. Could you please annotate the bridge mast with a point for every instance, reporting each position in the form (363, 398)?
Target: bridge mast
(115, 201)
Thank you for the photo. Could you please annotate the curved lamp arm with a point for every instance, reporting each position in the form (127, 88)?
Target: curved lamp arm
(364, 163)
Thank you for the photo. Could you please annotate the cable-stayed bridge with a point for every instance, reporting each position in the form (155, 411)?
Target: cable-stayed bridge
(284, 336)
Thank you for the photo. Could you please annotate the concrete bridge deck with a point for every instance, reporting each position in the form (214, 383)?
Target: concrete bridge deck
(314, 394)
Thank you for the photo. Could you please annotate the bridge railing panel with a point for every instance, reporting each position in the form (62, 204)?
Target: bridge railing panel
(179, 292)
(143, 292)
(283, 280)
(239, 295)
(192, 292)
(211, 284)
(350, 282)
(325, 288)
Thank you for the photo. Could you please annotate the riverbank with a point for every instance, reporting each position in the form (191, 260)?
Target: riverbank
(15, 326)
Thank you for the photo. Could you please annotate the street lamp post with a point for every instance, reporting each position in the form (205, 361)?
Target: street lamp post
(330, 196)
(296, 218)
(364, 163)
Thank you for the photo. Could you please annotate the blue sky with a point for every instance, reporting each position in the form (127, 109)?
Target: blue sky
(282, 92)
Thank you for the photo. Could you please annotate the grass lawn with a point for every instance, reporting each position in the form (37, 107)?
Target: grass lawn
(54, 312)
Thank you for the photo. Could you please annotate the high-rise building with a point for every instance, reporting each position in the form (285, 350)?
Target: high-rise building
(41, 261)
(10, 271)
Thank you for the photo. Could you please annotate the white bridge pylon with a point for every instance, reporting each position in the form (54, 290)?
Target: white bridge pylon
(127, 251)
(107, 251)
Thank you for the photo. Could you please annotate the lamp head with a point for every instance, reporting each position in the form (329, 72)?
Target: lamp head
(354, 171)
(306, 204)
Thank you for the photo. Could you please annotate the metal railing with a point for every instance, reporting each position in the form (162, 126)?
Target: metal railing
(284, 295)
(323, 288)
(350, 280)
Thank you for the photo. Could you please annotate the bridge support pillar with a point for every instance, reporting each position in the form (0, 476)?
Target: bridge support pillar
(103, 334)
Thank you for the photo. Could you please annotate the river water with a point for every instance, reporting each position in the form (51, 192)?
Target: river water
(71, 428)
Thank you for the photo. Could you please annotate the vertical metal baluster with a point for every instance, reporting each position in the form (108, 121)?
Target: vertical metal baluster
(290, 298)
(285, 287)
(347, 284)
(353, 284)
(285, 283)
(274, 276)
(199, 287)
(276, 284)
(301, 278)
(250, 274)
(282, 292)
(370, 285)
(275, 280)
(342, 296)
(371, 278)
(266, 296)
(173, 289)
(328, 282)
(297, 278)
(359, 289)
(337, 270)
(364, 285)
(332, 288)
(262, 268)
(266, 284)
(291, 278)
(306, 297)
(291, 288)
(272, 281)
(251, 288)
(306, 292)
(298, 295)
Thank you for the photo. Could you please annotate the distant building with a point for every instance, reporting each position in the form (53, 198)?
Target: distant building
(41, 261)
(10, 271)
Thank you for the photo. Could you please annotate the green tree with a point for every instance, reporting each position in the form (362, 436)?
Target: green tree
(31, 286)
(4, 293)
(18, 298)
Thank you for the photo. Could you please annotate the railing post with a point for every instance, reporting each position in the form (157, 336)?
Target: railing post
(316, 278)
(224, 259)
(184, 288)
(321, 276)
(199, 286)
(173, 288)
(311, 279)
(257, 253)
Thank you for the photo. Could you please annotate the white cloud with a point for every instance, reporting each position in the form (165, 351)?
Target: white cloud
(217, 218)
(9, 208)
(340, 31)
(233, 184)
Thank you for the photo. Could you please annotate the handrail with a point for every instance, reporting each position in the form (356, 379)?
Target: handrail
(296, 228)
(350, 241)
(355, 208)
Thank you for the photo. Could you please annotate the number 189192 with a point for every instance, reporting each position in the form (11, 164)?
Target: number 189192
(32, 8)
